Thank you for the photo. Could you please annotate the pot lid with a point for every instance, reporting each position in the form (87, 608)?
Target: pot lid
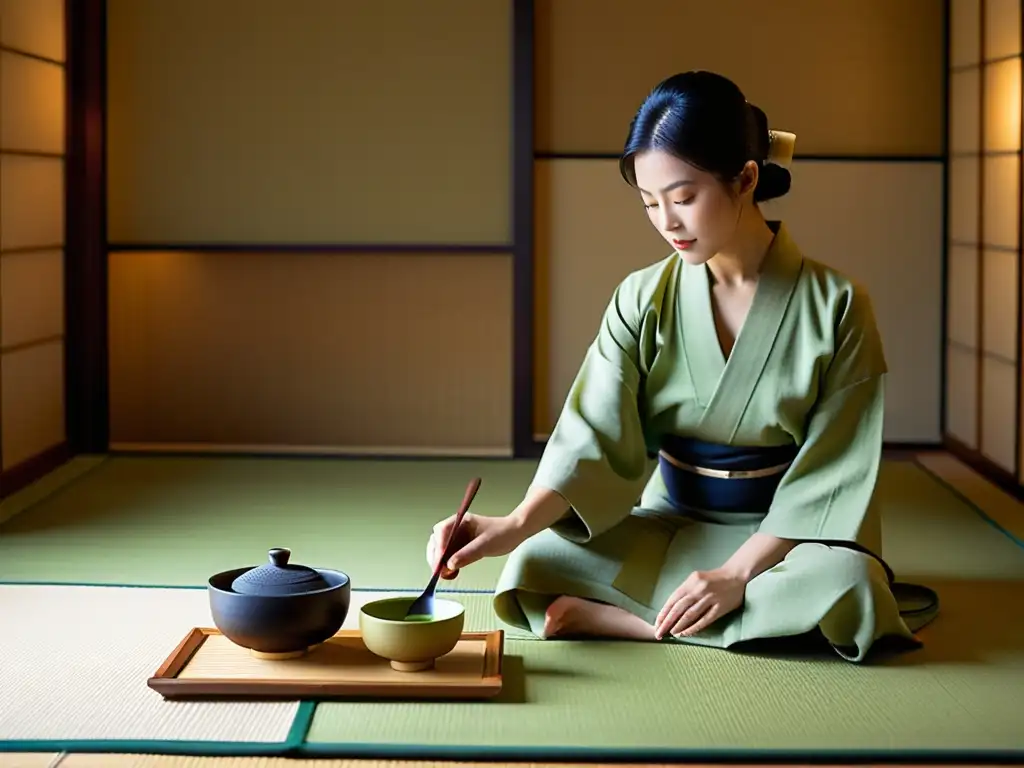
(279, 577)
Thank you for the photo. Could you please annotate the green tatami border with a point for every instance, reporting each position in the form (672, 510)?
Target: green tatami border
(291, 745)
(604, 755)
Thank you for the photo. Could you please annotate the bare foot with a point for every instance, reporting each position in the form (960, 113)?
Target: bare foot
(568, 616)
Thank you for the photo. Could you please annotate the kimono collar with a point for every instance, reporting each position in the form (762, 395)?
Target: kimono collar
(783, 253)
(724, 387)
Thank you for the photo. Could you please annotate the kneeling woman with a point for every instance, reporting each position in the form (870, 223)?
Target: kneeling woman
(754, 375)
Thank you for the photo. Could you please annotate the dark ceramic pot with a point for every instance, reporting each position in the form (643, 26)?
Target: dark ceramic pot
(279, 610)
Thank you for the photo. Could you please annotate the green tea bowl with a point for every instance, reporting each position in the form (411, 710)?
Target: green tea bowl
(414, 644)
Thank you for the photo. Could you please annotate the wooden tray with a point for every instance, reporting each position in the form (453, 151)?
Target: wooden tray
(208, 665)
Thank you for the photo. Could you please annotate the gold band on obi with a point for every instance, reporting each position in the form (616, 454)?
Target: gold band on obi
(725, 474)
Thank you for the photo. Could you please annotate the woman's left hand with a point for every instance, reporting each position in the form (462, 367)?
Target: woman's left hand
(701, 599)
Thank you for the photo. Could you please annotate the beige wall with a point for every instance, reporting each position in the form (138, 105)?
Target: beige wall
(32, 147)
(248, 122)
(311, 351)
(354, 122)
(983, 289)
(848, 76)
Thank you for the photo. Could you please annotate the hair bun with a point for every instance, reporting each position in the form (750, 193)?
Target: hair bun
(772, 181)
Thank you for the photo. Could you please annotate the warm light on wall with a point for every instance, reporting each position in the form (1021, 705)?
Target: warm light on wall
(32, 155)
(984, 388)
(1002, 105)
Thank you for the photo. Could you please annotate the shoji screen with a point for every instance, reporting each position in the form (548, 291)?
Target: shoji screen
(32, 150)
(860, 83)
(984, 232)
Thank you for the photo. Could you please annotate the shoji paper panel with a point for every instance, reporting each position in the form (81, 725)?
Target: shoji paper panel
(963, 233)
(31, 297)
(965, 32)
(964, 175)
(826, 210)
(962, 394)
(1019, 348)
(877, 64)
(339, 121)
(1002, 28)
(1001, 174)
(283, 351)
(1001, 212)
(32, 143)
(34, 26)
(32, 104)
(977, 123)
(998, 404)
(32, 398)
(32, 201)
(962, 309)
(1000, 199)
(965, 101)
(1002, 105)
(999, 308)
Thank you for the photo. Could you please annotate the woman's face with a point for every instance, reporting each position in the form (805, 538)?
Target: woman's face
(695, 212)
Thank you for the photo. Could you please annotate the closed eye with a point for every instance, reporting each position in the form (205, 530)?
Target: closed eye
(687, 201)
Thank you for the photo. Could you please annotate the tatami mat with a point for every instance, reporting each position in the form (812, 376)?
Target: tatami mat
(609, 700)
(76, 661)
(49, 484)
(75, 664)
(81, 655)
(1000, 508)
(30, 759)
(175, 521)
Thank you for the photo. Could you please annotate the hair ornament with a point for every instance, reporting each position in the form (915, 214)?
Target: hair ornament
(781, 146)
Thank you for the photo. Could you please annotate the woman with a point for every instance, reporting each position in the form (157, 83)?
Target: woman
(755, 376)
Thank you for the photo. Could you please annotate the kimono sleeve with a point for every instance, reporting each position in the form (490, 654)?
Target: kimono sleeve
(827, 493)
(596, 457)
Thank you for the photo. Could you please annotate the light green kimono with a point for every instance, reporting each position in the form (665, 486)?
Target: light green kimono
(807, 368)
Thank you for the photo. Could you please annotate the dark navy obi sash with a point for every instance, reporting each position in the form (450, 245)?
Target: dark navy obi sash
(722, 478)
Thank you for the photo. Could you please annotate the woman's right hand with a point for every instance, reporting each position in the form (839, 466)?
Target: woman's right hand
(478, 537)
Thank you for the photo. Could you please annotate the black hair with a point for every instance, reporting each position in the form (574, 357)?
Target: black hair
(704, 119)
